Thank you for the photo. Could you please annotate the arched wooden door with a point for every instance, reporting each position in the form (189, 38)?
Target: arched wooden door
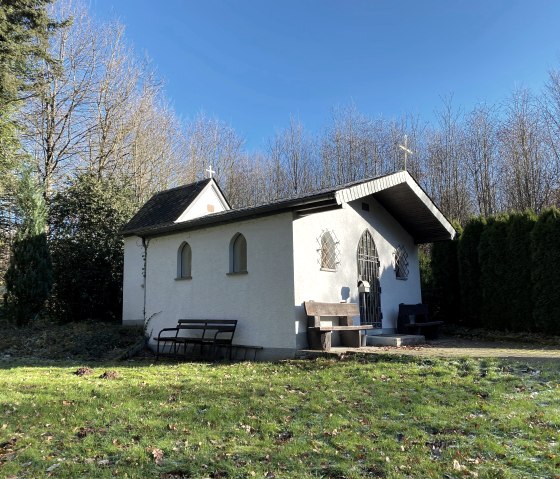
(368, 271)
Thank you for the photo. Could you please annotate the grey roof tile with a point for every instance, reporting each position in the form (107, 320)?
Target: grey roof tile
(165, 207)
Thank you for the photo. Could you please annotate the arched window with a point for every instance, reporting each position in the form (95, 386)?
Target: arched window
(328, 252)
(368, 275)
(238, 254)
(184, 261)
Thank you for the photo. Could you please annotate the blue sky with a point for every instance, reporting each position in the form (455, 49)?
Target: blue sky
(253, 63)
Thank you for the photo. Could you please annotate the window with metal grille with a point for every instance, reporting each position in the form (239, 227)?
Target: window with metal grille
(238, 254)
(184, 261)
(328, 251)
(401, 262)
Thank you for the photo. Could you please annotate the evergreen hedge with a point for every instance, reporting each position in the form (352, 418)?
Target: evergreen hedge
(469, 272)
(517, 280)
(493, 263)
(507, 270)
(545, 275)
(445, 280)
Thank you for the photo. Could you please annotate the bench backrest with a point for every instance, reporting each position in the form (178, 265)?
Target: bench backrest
(208, 321)
(215, 327)
(345, 311)
(412, 313)
(313, 308)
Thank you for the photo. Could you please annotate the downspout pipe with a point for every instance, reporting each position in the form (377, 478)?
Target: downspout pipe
(145, 243)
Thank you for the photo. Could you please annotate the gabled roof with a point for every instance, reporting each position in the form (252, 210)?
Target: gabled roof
(401, 195)
(165, 207)
(398, 193)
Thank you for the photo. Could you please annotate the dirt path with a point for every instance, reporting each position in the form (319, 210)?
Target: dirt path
(453, 347)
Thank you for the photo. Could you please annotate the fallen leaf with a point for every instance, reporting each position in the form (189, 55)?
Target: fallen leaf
(157, 454)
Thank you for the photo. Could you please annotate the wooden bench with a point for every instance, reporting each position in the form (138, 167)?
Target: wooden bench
(414, 319)
(320, 336)
(212, 333)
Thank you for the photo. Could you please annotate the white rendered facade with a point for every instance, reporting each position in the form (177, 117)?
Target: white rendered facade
(283, 271)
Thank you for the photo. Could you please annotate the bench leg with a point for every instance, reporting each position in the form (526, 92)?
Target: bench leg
(326, 340)
(319, 340)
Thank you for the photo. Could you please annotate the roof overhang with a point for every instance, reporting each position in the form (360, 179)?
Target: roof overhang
(406, 201)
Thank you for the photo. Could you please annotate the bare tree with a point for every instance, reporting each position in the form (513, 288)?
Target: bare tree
(57, 121)
(528, 168)
(345, 150)
(113, 101)
(293, 154)
(481, 158)
(152, 159)
(551, 109)
(210, 142)
(104, 111)
(446, 177)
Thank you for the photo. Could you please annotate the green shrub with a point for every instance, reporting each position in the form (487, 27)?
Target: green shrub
(426, 280)
(87, 250)
(517, 280)
(493, 260)
(545, 274)
(469, 271)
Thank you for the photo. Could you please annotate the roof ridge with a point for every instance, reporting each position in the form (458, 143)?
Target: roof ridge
(175, 188)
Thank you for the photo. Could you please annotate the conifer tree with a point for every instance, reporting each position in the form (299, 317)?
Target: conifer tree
(29, 276)
(25, 28)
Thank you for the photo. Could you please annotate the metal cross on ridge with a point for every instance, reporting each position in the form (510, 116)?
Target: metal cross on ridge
(406, 150)
(210, 172)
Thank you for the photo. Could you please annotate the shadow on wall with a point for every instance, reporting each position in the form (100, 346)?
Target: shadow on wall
(385, 276)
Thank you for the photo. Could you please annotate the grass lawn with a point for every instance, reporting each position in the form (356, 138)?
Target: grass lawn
(377, 416)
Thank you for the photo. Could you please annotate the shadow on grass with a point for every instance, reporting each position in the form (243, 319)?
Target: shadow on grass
(148, 362)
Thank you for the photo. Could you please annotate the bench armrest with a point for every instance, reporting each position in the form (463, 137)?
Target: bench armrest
(232, 332)
(159, 338)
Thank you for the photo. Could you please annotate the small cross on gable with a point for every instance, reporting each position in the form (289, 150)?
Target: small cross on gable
(210, 172)
(406, 150)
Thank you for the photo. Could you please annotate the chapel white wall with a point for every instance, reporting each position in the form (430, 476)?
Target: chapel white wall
(261, 300)
(348, 224)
